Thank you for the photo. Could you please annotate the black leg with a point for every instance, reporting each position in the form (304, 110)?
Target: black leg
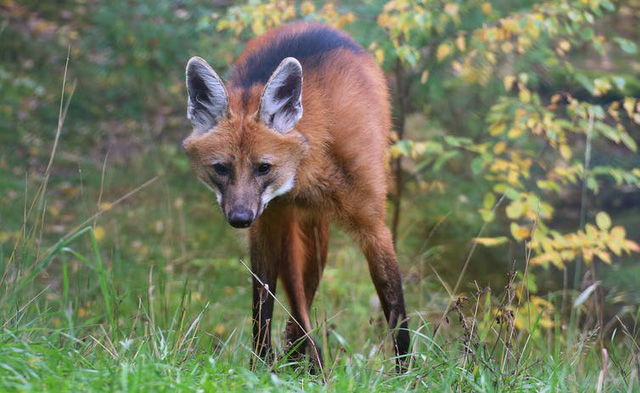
(383, 266)
(265, 254)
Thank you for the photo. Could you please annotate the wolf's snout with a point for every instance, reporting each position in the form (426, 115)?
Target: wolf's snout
(240, 217)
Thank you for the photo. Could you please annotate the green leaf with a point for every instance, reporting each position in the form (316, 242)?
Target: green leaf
(619, 81)
(608, 5)
(515, 209)
(456, 141)
(401, 148)
(626, 45)
(585, 82)
(608, 131)
(629, 142)
(431, 147)
(592, 184)
(512, 194)
(489, 200)
(476, 165)
(586, 34)
(487, 215)
(444, 158)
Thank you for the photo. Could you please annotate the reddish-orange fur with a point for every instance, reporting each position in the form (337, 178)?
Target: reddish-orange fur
(340, 148)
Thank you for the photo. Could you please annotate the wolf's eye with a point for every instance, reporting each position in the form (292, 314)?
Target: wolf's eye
(263, 169)
(221, 169)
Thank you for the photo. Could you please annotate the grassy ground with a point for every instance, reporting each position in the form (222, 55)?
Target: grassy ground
(121, 275)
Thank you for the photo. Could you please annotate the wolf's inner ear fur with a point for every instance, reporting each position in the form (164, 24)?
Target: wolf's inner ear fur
(281, 103)
(208, 100)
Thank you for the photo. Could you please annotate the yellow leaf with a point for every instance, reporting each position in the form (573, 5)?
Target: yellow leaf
(104, 206)
(500, 147)
(460, 43)
(545, 258)
(257, 27)
(289, 13)
(519, 233)
(219, 329)
(615, 247)
(54, 210)
(451, 9)
(514, 133)
(568, 255)
(618, 233)
(613, 109)
(424, 76)
(99, 233)
(506, 47)
(565, 152)
(592, 232)
(396, 151)
(628, 105)
(486, 8)
(604, 256)
(491, 241)
(525, 96)
(603, 221)
(513, 177)
(383, 20)
(443, 51)
(350, 17)
(564, 45)
(307, 7)
(497, 129)
(508, 82)
(587, 253)
(419, 148)
(632, 246)
(379, 55)
(515, 210)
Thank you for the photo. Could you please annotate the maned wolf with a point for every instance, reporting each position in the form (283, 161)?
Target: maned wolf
(296, 137)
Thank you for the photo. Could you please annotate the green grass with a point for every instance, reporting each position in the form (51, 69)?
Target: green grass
(132, 283)
(159, 301)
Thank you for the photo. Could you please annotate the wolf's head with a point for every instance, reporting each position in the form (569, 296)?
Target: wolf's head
(244, 145)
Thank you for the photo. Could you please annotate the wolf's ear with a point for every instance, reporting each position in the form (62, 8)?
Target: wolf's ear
(208, 99)
(281, 103)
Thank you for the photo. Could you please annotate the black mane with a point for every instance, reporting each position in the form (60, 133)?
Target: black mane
(308, 46)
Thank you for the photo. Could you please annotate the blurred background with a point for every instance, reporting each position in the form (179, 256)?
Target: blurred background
(514, 155)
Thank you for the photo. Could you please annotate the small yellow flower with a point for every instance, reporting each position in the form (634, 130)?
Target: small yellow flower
(99, 233)
(219, 329)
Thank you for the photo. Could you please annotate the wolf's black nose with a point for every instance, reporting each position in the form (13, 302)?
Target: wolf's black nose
(240, 217)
